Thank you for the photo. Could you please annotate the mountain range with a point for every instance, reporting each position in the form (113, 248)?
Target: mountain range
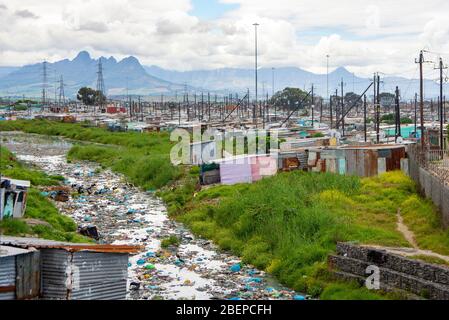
(120, 77)
(128, 76)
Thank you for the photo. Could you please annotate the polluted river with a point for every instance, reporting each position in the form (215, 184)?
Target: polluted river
(124, 214)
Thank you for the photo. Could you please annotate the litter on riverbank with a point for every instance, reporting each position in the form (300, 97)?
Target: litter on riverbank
(120, 213)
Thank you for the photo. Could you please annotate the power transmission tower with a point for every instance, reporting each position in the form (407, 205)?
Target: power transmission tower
(100, 83)
(61, 92)
(44, 83)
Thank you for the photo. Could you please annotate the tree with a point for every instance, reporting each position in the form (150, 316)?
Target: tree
(90, 96)
(86, 96)
(351, 98)
(290, 97)
(387, 99)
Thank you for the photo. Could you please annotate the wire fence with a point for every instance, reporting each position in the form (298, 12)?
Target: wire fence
(435, 161)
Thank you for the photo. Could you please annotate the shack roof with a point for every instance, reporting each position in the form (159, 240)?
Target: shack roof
(372, 147)
(27, 243)
(19, 183)
(6, 251)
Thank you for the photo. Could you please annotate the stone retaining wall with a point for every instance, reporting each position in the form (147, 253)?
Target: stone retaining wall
(396, 272)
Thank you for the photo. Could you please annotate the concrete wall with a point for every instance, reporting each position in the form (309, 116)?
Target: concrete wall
(396, 272)
(432, 187)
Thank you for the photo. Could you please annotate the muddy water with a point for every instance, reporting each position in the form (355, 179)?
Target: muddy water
(124, 214)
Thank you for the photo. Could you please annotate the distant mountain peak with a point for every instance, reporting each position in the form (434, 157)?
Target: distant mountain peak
(130, 61)
(342, 71)
(82, 56)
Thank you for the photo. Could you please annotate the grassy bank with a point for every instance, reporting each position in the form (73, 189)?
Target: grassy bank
(52, 225)
(143, 158)
(290, 223)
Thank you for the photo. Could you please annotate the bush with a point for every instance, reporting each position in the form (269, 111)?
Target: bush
(170, 241)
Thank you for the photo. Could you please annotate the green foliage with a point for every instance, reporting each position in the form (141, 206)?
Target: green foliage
(60, 227)
(390, 119)
(290, 97)
(351, 98)
(10, 167)
(318, 135)
(170, 241)
(344, 291)
(430, 259)
(14, 227)
(90, 96)
(290, 223)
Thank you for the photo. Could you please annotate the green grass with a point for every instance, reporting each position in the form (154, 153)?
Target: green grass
(144, 158)
(60, 227)
(290, 223)
(170, 241)
(430, 259)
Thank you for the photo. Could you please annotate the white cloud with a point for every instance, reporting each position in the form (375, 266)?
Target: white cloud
(365, 36)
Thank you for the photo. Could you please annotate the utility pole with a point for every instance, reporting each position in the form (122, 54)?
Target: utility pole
(377, 105)
(364, 117)
(44, 84)
(342, 108)
(337, 113)
(397, 116)
(444, 109)
(327, 77)
(440, 104)
(416, 113)
(272, 82)
(202, 105)
(179, 113)
(321, 110)
(208, 105)
(330, 111)
(312, 106)
(421, 95)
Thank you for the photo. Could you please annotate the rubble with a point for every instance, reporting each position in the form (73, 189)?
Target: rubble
(110, 210)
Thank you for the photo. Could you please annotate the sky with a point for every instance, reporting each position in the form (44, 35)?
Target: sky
(365, 36)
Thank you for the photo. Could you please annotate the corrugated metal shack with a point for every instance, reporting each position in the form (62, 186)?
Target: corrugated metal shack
(363, 161)
(19, 273)
(294, 154)
(13, 196)
(77, 271)
(246, 168)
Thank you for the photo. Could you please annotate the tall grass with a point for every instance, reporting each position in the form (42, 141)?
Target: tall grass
(290, 223)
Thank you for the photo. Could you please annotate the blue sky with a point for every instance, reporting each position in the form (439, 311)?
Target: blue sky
(210, 9)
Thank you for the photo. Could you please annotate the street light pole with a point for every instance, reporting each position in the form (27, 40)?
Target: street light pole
(255, 56)
(327, 77)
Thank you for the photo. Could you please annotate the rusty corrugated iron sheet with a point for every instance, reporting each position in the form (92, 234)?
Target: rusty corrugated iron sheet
(71, 247)
(83, 275)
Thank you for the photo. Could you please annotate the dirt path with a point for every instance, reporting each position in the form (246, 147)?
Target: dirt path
(410, 237)
(406, 232)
